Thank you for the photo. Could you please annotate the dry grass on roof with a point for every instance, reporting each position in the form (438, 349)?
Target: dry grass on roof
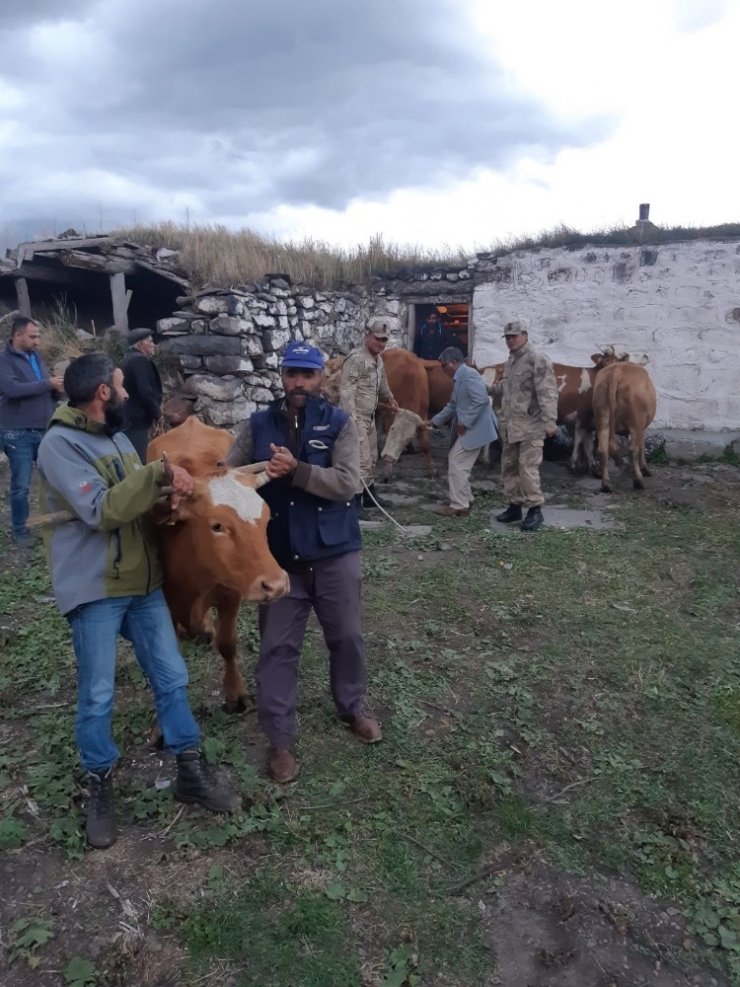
(218, 256)
(567, 238)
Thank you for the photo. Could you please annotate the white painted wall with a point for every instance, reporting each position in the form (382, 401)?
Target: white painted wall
(683, 311)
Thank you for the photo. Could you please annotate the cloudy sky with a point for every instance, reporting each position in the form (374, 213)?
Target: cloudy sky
(431, 121)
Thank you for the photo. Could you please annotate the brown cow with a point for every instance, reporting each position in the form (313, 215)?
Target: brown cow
(214, 544)
(575, 399)
(624, 401)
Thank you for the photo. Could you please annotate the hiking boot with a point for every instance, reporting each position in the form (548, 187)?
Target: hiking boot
(512, 513)
(100, 823)
(197, 785)
(533, 520)
(365, 728)
(362, 514)
(282, 766)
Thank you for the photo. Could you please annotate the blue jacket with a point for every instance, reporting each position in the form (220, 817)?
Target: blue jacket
(304, 527)
(469, 406)
(25, 401)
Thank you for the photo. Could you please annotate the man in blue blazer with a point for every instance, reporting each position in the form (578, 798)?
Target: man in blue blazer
(473, 425)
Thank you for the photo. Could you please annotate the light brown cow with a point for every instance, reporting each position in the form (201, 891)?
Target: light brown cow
(213, 546)
(624, 400)
(407, 379)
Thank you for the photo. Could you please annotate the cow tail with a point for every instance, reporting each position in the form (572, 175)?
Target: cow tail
(612, 450)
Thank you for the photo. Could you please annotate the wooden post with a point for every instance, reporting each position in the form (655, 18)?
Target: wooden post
(24, 299)
(120, 299)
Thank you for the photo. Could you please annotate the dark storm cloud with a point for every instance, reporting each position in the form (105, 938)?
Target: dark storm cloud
(237, 107)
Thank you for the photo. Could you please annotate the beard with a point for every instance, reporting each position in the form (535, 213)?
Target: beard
(114, 419)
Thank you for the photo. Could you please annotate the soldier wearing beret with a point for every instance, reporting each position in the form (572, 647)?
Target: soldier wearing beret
(142, 382)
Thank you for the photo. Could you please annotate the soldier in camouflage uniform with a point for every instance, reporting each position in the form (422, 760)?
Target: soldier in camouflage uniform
(362, 384)
(526, 403)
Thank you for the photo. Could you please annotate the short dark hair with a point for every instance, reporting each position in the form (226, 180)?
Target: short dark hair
(19, 324)
(451, 354)
(84, 376)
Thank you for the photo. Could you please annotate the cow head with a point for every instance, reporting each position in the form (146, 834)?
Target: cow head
(177, 409)
(219, 534)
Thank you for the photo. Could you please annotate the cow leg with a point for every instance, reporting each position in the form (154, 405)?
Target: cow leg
(235, 692)
(423, 437)
(602, 440)
(588, 448)
(636, 453)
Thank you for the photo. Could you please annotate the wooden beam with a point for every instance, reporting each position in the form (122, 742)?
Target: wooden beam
(24, 299)
(119, 300)
(54, 273)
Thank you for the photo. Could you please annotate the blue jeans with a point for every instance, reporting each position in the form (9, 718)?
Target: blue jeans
(145, 622)
(20, 445)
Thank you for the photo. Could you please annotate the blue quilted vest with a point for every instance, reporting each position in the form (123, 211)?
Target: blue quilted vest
(303, 527)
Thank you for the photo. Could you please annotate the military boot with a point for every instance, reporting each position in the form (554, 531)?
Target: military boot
(512, 513)
(368, 501)
(196, 784)
(100, 824)
(361, 512)
(533, 520)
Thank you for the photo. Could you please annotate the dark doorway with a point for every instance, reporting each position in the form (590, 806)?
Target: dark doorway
(438, 326)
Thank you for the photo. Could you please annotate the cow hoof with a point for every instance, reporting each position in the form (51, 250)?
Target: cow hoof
(638, 484)
(605, 488)
(204, 638)
(646, 471)
(238, 705)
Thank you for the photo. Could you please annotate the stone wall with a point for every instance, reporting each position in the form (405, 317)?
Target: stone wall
(677, 303)
(227, 342)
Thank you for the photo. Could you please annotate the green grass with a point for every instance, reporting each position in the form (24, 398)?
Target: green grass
(571, 695)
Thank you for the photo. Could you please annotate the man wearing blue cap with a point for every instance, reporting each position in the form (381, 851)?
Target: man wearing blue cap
(314, 534)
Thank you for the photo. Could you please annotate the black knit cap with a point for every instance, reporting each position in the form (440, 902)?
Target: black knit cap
(136, 336)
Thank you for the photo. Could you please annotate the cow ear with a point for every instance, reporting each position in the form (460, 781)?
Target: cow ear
(597, 358)
(166, 514)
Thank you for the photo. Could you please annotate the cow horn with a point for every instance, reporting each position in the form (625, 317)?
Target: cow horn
(608, 350)
(252, 468)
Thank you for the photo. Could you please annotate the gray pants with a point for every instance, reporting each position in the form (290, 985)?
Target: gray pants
(332, 588)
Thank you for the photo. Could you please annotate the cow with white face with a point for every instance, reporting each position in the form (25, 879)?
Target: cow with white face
(213, 544)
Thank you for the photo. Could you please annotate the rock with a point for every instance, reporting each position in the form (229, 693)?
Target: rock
(234, 306)
(275, 339)
(221, 413)
(173, 326)
(263, 321)
(306, 301)
(252, 346)
(190, 363)
(216, 388)
(259, 394)
(229, 364)
(229, 325)
(203, 345)
(212, 305)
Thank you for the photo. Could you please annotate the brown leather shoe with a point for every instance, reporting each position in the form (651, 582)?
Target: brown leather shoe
(366, 729)
(282, 766)
(446, 510)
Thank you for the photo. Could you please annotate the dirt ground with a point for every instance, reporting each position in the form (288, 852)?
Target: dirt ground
(547, 929)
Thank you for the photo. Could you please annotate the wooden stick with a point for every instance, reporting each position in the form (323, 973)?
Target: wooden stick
(47, 520)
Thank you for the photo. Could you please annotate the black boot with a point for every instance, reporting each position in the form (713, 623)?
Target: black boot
(100, 824)
(368, 501)
(512, 513)
(533, 520)
(195, 783)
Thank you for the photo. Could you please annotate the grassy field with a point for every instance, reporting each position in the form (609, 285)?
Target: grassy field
(556, 800)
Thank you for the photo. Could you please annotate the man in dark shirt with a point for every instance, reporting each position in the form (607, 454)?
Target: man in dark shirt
(314, 533)
(431, 338)
(144, 387)
(28, 395)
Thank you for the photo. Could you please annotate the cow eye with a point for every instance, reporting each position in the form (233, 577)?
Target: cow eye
(217, 527)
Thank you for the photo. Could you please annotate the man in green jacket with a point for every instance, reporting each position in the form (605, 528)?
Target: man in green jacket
(107, 580)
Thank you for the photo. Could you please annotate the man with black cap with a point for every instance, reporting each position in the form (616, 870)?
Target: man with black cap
(144, 387)
(362, 385)
(313, 463)
(526, 403)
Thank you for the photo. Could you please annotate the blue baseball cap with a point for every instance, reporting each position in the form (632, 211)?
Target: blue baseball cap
(302, 356)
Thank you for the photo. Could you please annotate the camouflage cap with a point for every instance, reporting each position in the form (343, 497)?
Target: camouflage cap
(516, 328)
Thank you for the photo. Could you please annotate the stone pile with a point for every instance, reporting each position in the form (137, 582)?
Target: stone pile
(228, 342)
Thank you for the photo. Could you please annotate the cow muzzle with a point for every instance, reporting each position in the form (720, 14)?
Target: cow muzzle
(265, 589)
